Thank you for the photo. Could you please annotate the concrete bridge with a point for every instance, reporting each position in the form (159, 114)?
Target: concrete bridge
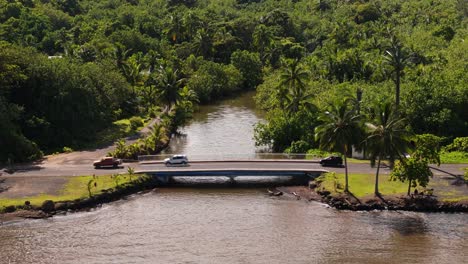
(233, 169)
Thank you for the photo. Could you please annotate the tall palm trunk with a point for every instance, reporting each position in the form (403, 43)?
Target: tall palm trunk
(346, 173)
(397, 88)
(376, 191)
(409, 187)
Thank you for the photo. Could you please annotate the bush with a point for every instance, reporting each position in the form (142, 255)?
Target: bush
(299, 146)
(317, 153)
(67, 150)
(136, 122)
(459, 144)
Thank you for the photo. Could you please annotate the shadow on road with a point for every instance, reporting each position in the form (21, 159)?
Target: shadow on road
(446, 172)
(110, 168)
(22, 168)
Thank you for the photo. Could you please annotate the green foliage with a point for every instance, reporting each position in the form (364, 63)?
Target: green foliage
(249, 66)
(318, 153)
(414, 170)
(213, 80)
(131, 172)
(454, 157)
(117, 179)
(91, 183)
(458, 144)
(152, 144)
(340, 129)
(282, 129)
(427, 148)
(67, 150)
(387, 136)
(116, 59)
(136, 122)
(300, 146)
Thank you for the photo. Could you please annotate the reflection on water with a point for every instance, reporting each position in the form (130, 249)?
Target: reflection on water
(220, 131)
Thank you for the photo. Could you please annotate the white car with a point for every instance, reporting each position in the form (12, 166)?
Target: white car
(176, 159)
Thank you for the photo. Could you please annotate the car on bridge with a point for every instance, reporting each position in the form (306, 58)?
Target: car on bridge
(332, 161)
(176, 159)
(107, 162)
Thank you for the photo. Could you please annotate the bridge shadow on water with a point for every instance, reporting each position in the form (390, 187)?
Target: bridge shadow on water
(238, 182)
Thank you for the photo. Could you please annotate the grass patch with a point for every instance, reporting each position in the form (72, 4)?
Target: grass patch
(358, 161)
(361, 185)
(454, 157)
(455, 200)
(119, 129)
(76, 188)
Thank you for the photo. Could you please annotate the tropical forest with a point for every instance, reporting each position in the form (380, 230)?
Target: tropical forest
(379, 76)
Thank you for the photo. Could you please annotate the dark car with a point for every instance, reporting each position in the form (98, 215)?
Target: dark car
(107, 162)
(332, 161)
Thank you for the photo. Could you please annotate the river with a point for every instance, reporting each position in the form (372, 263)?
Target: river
(232, 225)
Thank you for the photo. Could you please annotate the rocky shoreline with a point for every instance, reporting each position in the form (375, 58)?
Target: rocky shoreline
(421, 203)
(339, 202)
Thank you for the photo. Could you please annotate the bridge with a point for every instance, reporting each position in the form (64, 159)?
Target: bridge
(233, 169)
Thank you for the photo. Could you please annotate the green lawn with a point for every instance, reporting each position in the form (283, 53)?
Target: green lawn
(118, 129)
(454, 157)
(362, 184)
(76, 188)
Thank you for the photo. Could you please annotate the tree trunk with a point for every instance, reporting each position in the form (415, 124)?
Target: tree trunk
(376, 191)
(346, 174)
(397, 89)
(409, 187)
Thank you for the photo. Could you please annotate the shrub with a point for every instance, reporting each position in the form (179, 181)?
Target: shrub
(67, 150)
(459, 144)
(299, 146)
(136, 122)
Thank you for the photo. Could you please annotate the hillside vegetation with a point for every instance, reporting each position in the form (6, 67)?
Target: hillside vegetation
(69, 69)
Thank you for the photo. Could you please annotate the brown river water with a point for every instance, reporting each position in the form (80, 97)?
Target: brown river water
(232, 225)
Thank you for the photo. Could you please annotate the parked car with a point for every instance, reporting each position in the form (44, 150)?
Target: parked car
(332, 161)
(107, 162)
(176, 159)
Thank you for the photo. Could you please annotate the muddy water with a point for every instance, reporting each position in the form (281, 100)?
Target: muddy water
(232, 225)
(221, 131)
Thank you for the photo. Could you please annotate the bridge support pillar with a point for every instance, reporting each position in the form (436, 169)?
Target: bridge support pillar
(164, 179)
(232, 180)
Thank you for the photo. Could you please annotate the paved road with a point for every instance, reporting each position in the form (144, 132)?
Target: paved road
(34, 179)
(87, 169)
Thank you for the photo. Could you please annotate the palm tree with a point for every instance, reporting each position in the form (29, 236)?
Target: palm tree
(262, 40)
(387, 136)
(340, 130)
(298, 99)
(169, 86)
(397, 57)
(292, 83)
(203, 43)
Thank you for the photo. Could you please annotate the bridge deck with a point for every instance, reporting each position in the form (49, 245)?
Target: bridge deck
(233, 172)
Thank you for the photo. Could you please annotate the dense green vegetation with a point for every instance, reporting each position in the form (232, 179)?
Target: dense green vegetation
(69, 69)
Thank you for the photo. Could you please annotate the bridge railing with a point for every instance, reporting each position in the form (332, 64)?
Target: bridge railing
(229, 156)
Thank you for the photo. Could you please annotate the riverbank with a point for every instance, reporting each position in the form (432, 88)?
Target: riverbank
(78, 195)
(444, 195)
